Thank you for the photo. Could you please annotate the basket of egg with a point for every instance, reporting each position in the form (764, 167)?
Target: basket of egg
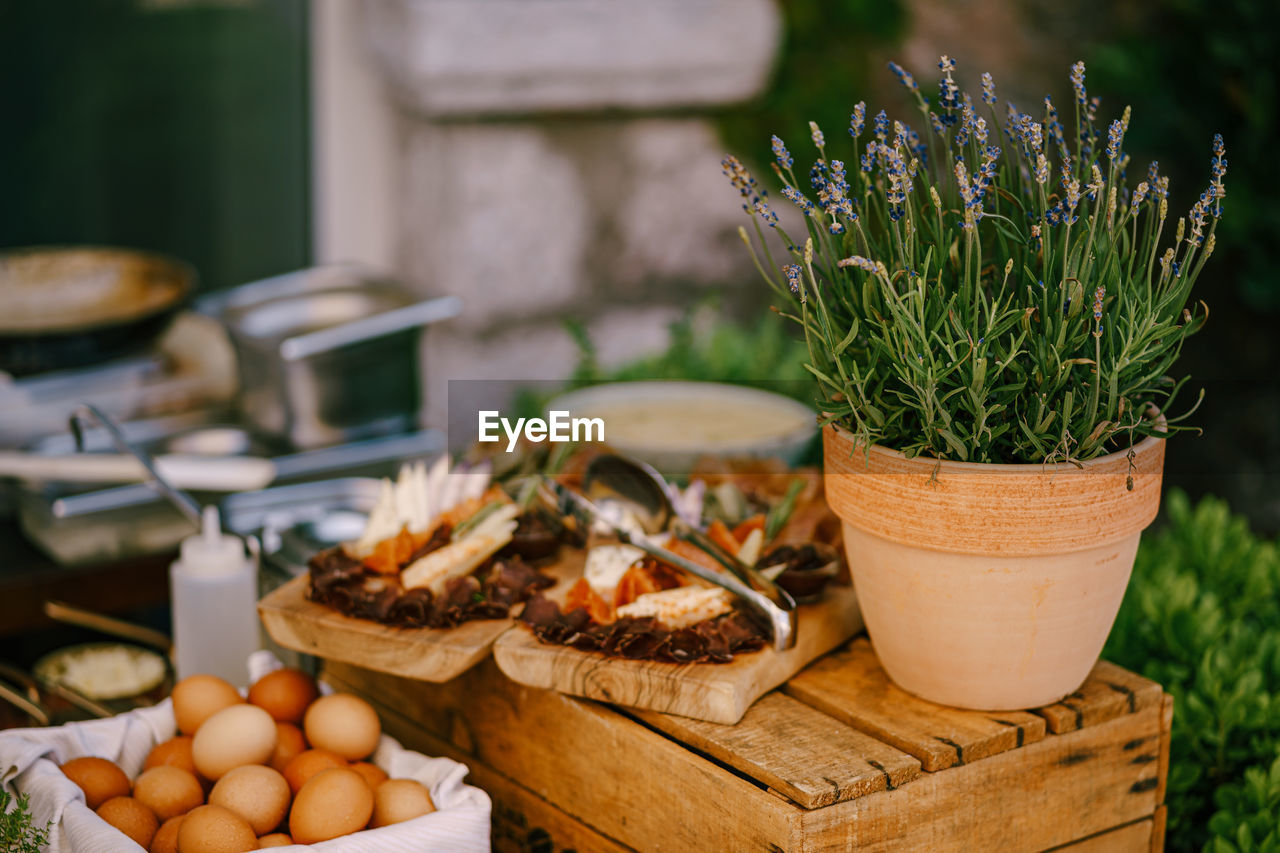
(212, 771)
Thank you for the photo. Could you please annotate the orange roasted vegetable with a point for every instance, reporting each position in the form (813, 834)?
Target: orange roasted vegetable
(694, 554)
(390, 554)
(649, 576)
(743, 530)
(719, 534)
(581, 595)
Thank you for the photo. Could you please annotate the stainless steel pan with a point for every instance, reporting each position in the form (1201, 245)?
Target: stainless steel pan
(66, 307)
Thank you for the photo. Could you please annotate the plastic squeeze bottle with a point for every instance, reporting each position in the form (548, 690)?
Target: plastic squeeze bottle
(213, 589)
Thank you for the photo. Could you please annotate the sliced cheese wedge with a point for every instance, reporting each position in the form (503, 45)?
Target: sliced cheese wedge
(461, 558)
(749, 551)
(680, 607)
(606, 564)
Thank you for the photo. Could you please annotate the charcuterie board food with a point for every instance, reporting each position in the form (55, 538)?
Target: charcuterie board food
(444, 559)
(449, 562)
(636, 631)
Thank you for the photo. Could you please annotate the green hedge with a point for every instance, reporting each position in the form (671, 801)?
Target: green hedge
(1202, 617)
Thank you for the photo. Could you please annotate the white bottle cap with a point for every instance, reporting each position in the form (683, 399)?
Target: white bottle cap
(212, 552)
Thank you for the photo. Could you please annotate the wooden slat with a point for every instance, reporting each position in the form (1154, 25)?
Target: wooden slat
(428, 654)
(1131, 838)
(522, 821)
(716, 692)
(1059, 790)
(1159, 822)
(1166, 735)
(806, 755)
(851, 686)
(598, 766)
(1108, 692)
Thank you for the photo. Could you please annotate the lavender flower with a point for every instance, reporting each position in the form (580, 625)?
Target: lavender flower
(1218, 169)
(1077, 83)
(1114, 135)
(904, 77)
(792, 274)
(794, 196)
(780, 152)
(1139, 195)
(766, 213)
(859, 262)
(1042, 169)
(1097, 311)
(858, 121)
(1095, 185)
(882, 126)
(818, 139)
(948, 91)
(988, 89)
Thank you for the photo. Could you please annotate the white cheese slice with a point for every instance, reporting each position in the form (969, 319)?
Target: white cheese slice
(680, 607)
(606, 564)
(749, 551)
(416, 498)
(461, 558)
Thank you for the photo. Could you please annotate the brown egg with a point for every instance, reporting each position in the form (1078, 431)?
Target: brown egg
(98, 778)
(284, 694)
(196, 698)
(175, 752)
(308, 764)
(258, 794)
(344, 724)
(130, 817)
(214, 829)
(275, 839)
(372, 773)
(199, 697)
(289, 745)
(333, 802)
(166, 840)
(168, 791)
(238, 735)
(397, 800)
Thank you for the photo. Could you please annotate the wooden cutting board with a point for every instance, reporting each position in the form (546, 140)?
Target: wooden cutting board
(714, 692)
(426, 654)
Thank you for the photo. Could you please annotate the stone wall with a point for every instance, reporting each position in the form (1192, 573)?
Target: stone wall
(556, 159)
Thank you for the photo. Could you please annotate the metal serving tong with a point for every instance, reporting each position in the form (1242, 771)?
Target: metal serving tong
(776, 613)
(650, 498)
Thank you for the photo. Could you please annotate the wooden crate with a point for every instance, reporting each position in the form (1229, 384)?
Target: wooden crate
(837, 759)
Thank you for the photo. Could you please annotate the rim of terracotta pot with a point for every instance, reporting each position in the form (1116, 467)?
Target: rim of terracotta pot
(1016, 509)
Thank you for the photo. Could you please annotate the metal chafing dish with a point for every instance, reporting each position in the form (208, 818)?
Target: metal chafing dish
(328, 354)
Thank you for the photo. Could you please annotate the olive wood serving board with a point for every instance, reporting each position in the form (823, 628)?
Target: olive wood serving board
(713, 692)
(425, 654)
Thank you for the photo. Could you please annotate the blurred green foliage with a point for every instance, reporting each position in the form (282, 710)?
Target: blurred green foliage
(762, 355)
(823, 65)
(1199, 67)
(1202, 617)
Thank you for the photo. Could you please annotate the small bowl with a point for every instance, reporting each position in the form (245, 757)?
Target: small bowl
(671, 425)
(120, 676)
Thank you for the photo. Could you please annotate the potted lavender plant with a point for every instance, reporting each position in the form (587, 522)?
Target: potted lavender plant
(991, 311)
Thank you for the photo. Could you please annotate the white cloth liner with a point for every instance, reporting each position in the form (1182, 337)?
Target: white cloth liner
(30, 758)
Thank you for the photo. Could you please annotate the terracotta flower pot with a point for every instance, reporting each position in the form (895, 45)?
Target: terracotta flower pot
(990, 587)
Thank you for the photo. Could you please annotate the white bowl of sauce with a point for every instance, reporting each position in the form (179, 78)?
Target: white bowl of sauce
(672, 424)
